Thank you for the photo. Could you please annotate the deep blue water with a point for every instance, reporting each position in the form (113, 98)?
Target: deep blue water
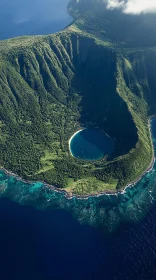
(32, 17)
(106, 237)
(52, 245)
(45, 236)
(91, 144)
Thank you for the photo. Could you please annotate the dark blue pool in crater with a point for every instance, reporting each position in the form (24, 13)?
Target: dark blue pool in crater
(90, 144)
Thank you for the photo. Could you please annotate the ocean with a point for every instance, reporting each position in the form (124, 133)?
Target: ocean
(52, 245)
(32, 17)
(46, 236)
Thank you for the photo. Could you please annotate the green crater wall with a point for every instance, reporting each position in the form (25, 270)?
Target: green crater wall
(51, 86)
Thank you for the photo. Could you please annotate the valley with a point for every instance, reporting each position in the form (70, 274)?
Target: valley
(53, 85)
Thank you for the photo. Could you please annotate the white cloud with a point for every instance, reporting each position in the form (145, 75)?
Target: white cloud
(113, 4)
(133, 6)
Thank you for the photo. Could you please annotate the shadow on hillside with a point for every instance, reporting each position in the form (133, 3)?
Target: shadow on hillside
(101, 106)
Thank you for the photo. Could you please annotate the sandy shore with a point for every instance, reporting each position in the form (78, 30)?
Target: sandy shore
(73, 137)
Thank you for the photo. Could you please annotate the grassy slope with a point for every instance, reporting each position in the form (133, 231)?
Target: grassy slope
(48, 89)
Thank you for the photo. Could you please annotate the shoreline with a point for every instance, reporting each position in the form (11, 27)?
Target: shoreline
(70, 196)
(106, 192)
(69, 142)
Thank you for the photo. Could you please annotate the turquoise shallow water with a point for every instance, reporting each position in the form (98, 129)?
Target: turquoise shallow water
(120, 243)
(91, 144)
(106, 211)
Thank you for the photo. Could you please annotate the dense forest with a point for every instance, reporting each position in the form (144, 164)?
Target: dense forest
(50, 86)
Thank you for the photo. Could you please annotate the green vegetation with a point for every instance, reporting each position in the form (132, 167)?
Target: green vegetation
(89, 185)
(51, 86)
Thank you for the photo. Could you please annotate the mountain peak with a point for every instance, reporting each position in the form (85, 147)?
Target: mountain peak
(112, 25)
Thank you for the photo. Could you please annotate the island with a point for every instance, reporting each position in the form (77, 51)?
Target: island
(99, 74)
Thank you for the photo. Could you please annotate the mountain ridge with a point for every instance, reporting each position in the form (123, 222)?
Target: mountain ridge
(47, 92)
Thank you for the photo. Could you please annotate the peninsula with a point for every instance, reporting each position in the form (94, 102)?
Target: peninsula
(98, 73)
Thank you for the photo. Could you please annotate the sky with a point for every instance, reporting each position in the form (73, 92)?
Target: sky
(133, 6)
